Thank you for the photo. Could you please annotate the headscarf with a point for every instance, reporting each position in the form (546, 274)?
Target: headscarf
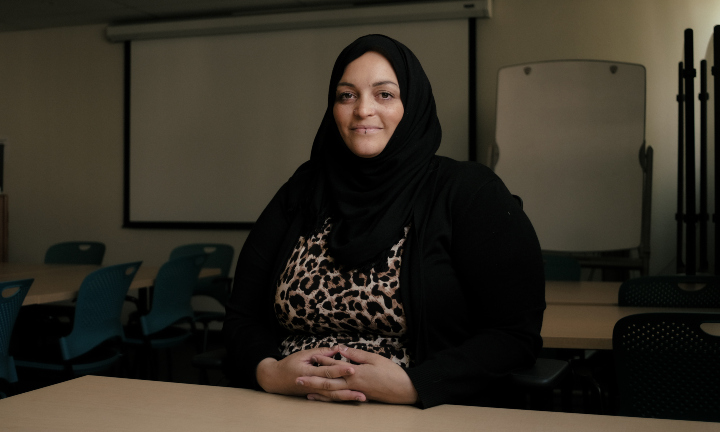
(371, 199)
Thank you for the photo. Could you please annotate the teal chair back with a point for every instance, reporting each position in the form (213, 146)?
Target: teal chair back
(98, 309)
(76, 252)
(12, 295)
(561, 267)
(219, 256)
(702, 291)
(172, 292)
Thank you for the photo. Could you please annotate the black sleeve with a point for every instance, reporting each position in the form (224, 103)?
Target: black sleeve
(497, 262)
(250, 330)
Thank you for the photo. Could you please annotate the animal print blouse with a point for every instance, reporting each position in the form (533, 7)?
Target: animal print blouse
(324, 304)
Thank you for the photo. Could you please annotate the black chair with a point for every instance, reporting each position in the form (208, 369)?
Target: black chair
(668, 366)
(671, 291)
(76, 252)
(545, 373)
(213, 360)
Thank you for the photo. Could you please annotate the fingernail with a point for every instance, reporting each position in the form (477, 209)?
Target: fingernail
(343, 347)
(350, 371)
(299, 383)
(359, 399)
(310, 397)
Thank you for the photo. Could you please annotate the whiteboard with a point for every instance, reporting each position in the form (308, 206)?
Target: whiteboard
(218, 123)
(569, 135)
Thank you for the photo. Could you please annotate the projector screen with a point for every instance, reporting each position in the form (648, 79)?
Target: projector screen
(216, 124)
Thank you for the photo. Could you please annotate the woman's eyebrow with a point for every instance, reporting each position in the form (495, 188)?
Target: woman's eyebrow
(380, 83)
(377, 84)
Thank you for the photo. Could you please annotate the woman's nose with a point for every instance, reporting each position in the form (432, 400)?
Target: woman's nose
(365, 107)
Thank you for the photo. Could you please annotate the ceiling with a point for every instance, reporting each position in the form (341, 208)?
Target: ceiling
(37, 14)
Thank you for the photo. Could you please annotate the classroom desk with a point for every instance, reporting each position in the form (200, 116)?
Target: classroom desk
(580, 326)
(582, 292)
(116, 404)
(59, 282)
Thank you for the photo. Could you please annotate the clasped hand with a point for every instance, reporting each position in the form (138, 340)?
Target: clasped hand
(373, 378)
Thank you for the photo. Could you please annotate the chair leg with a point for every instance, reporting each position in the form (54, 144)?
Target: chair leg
(6, 389)
(206, 329)
(169, 365)
(203, 377)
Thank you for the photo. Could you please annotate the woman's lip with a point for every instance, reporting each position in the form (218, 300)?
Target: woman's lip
(365, 129)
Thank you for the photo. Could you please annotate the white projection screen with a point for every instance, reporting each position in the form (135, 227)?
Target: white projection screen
(216, 124)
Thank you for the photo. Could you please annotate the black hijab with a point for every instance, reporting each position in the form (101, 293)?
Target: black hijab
(371, 199)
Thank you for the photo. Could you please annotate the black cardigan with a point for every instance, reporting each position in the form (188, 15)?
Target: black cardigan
(471, 280)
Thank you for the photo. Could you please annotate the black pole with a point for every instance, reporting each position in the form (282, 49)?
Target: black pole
(716, 90)
(703, 215)
(680, 263)
(690, 215)
(472, 90)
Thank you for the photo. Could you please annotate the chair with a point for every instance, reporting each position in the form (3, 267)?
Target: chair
(668, 366)
(170, 305)
(671, 291)
(91, 346)
(209, 360)
(220, 256)
(539, 381)
(12, 294)
(76, 252)
(561, 267)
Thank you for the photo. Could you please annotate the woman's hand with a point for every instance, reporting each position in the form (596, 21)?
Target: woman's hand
(281, 376)
(376, 377)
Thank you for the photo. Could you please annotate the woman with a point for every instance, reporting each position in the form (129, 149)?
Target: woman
(381, 271)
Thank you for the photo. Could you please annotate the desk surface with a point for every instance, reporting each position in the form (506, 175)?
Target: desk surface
(582, 292)
(59, 282)
(116, 404)
(591, 326)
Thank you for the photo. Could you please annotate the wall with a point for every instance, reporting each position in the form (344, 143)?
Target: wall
(61, 114)
(648, 32)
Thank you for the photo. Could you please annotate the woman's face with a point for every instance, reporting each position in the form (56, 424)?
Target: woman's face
(367, 105)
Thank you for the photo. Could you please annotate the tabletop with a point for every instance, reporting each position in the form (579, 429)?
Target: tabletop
(580, 326)
(59, 282)
(582, 292)
(115, 404)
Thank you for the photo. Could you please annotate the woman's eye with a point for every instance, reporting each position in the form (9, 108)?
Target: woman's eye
(345, 96)
(386, 95)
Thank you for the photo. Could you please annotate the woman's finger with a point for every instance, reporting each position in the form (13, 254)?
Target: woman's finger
(338, 396)
(325, 351)
(329, 372)
(327, 361)
(322, 383)
(357, 355)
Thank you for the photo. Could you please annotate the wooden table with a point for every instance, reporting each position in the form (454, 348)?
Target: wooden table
(116, 404)
(580, 326)
(582, 292)
(58, 282)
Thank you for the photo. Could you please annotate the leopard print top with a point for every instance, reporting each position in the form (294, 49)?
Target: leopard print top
(324, 304)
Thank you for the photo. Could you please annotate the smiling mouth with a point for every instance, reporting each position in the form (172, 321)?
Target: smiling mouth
(363, 130)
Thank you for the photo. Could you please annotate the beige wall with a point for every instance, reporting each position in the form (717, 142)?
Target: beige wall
(648, 32)
(61, 114)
